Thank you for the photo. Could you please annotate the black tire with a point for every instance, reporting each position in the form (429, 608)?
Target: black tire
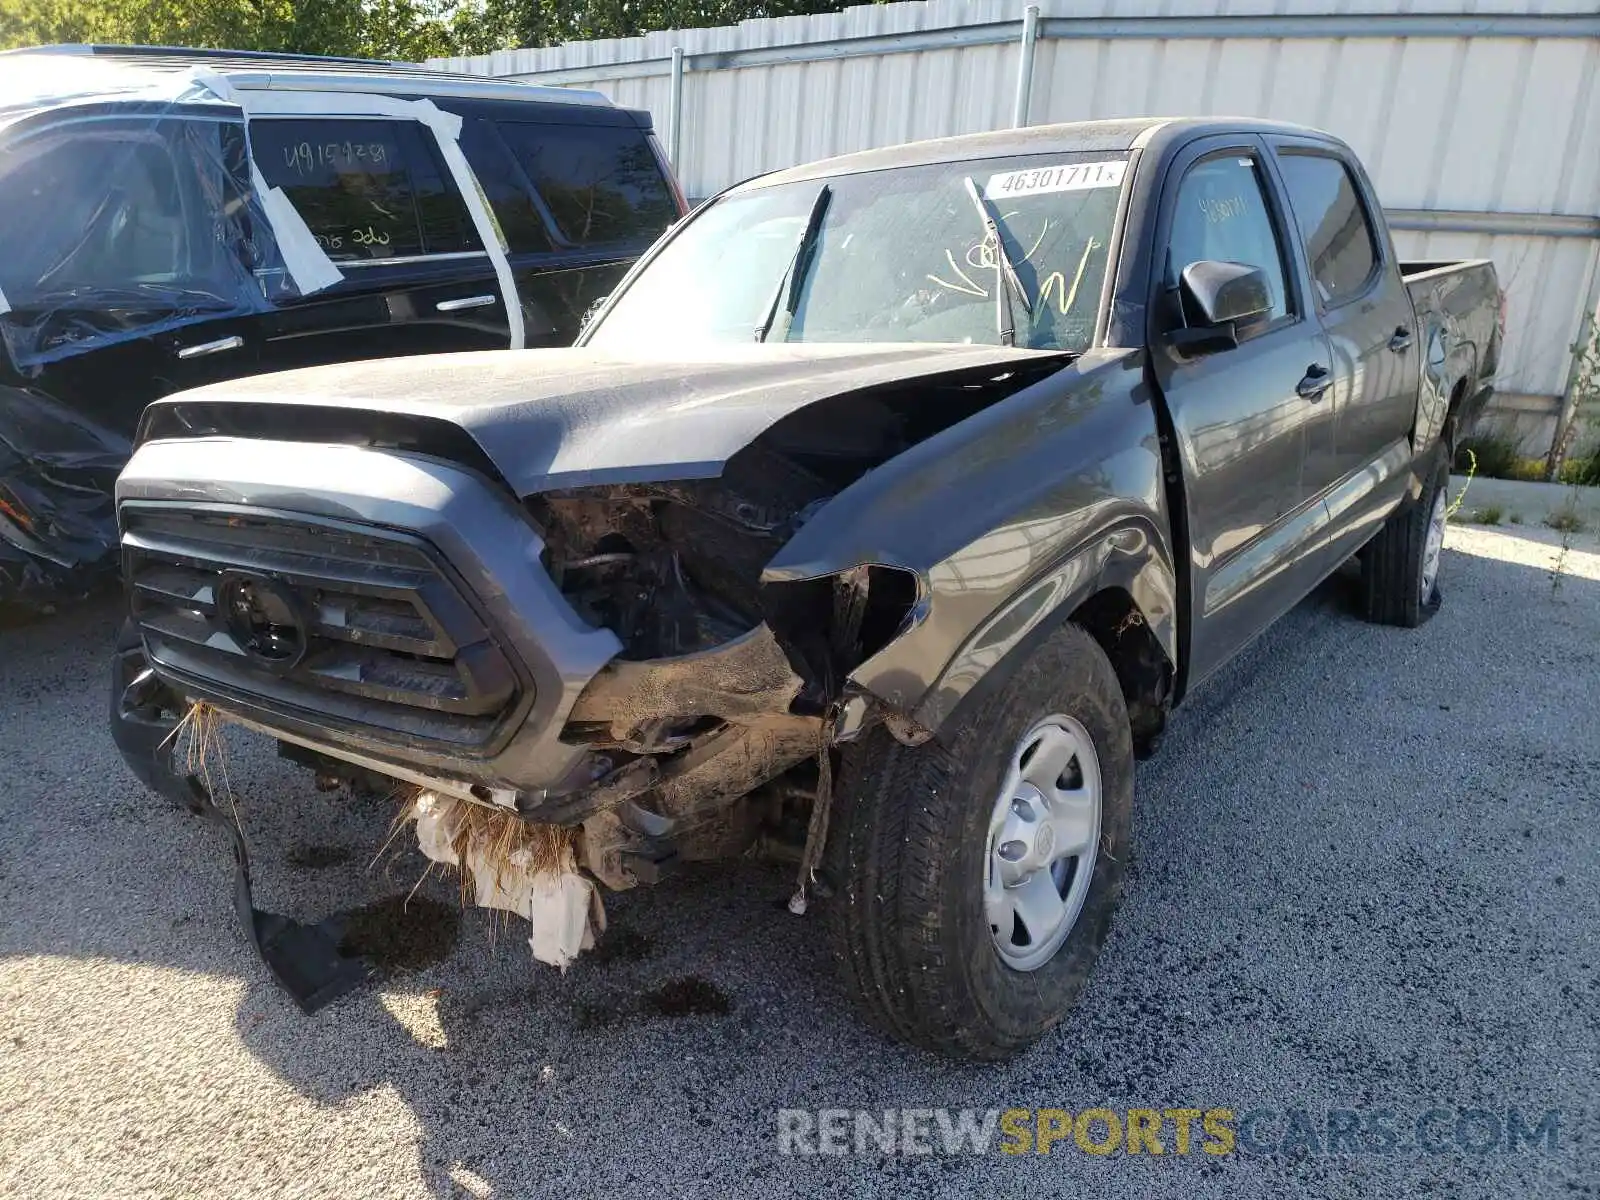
(1392, 568)
(908, 856)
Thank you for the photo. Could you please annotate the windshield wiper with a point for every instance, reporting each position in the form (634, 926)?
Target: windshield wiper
(794, 278)
(1005, 274)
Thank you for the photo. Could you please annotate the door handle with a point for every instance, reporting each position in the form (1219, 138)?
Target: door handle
(1400, 342)
(205, 348)
(466, 302)
(1317, 380)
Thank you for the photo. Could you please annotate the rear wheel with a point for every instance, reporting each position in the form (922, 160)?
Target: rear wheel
(1400, 570)
(976, 882)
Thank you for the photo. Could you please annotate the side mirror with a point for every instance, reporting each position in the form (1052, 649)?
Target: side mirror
(1215, 297)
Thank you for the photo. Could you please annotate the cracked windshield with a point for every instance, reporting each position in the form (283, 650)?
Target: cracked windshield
(902, 255)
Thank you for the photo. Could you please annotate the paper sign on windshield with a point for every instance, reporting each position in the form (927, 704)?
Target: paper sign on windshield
(1075, 177)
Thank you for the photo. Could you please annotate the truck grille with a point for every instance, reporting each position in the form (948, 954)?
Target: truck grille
(317, 624)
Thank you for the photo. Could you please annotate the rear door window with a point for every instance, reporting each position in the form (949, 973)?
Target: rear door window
(369, 190)
(601, 183)
(1333, 221)
(505, 187)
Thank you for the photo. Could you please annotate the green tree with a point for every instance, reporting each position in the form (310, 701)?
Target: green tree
(507, 23)
(408, 30)
(398, 29)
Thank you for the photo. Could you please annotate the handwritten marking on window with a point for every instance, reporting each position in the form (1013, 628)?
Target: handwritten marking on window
(1066, 296)
(306, 158)
(966, 287)
(1218, 211)
(1055, 284)
(980, 256)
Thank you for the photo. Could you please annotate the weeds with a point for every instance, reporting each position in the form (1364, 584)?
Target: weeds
(199, 744)
(1490, 514)
(1558, 569)
(1496, 457)
(1583, 472)
(1493, 455)
(1565, 520)
(1472, 470)
(1583, 390)
(491, 852)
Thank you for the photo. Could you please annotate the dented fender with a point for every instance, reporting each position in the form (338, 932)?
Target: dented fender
(1009, 519)
(1126, 557)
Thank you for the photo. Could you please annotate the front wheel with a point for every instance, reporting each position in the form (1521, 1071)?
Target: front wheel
(1400, 570)
(976, 880)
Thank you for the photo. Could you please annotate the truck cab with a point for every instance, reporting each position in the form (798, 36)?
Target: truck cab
(1299, 431)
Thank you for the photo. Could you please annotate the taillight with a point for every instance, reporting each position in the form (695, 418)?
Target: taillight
(678, 197)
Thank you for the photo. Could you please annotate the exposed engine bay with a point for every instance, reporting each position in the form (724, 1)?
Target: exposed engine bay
(718, 715)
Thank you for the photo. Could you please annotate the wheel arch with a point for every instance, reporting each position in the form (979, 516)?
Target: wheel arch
(1120, 587)
(1448, 372)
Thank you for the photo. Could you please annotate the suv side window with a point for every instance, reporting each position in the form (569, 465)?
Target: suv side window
(1333, 221)
(117, 225)
(1221, 215)
(505, 188)
(368, 189)
(93, 207)
(601, 182)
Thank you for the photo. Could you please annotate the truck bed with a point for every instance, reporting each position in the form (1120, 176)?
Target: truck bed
(1463, 298)
(1414, 271)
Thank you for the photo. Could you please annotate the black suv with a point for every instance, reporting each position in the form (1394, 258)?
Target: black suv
(171, 218)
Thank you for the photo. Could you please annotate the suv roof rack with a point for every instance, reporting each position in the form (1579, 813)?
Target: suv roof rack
(109, 50)
(271, 70)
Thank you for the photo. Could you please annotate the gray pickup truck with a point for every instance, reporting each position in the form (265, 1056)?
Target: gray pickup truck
(876, 523)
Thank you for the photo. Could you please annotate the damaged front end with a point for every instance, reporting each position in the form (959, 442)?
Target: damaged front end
(608, 669)
(709, 724)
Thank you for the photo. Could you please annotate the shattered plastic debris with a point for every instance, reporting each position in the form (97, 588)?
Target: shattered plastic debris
(527, 870)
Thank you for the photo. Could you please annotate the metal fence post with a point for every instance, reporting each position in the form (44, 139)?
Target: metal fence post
(1030, 34)
(675, 107)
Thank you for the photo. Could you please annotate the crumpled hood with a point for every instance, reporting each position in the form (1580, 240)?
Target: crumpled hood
(578, 417)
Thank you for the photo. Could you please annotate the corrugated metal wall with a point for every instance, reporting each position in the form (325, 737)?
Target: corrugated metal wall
(1480, 121)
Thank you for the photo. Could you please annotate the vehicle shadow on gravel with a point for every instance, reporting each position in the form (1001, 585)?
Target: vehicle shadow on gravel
(1290, 929)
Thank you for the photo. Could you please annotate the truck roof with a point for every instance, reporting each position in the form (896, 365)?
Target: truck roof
(1072, 137)
(42, 75)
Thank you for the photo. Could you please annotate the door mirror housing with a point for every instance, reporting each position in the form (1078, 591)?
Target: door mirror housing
(1216, 297)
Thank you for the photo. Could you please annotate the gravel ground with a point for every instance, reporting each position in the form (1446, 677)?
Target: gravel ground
(1365, 876)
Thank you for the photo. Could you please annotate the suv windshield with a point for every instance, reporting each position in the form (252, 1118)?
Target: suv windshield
(900, 255)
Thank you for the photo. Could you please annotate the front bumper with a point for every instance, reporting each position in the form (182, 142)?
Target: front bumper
(433, 646)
